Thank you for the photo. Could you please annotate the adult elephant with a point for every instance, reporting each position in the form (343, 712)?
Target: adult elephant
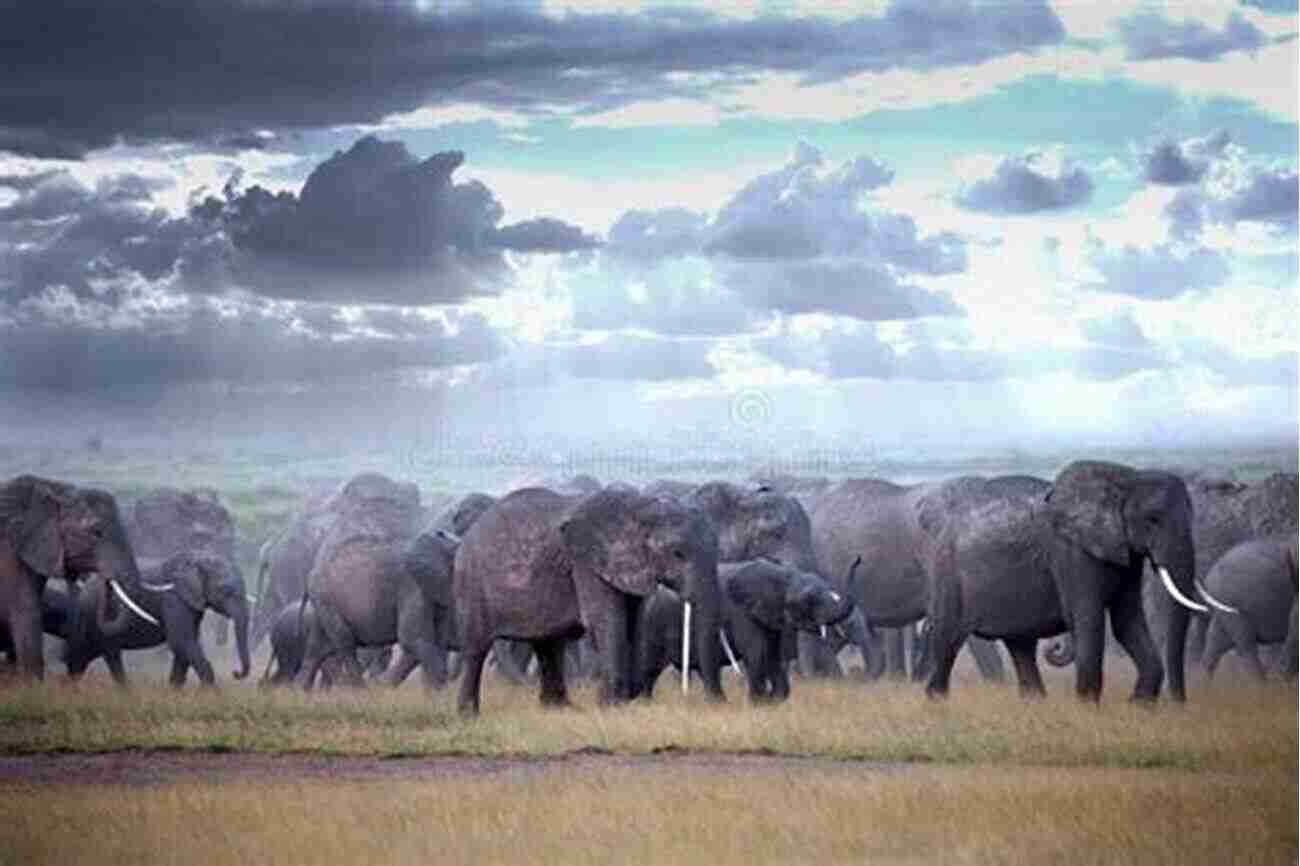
(367, 504)
(1019, 569)
(893, 528)
(1225, 514)
(370, 591)
(764, 605)
(764, 523)
(1257, 577)
(50, 529)
(546, 568)
(167, 606)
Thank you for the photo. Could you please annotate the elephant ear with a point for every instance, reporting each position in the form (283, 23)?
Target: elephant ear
(606, 535)
(1086, 505)
(189, 578)
(40, 538)
(759, 589)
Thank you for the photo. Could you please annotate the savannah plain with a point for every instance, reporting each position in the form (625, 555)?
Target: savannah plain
(844, 772)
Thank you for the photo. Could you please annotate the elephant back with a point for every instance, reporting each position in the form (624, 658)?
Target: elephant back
(1225, 515)
(166, 521)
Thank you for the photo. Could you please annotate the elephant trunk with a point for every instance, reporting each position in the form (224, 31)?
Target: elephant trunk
(705, 597)
(240, 618)
(1175, 564)
(110, 627)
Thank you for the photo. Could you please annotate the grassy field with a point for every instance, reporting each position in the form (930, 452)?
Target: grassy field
(981, 778)
(889, 777)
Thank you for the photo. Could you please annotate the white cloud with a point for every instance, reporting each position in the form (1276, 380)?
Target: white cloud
(664, 112)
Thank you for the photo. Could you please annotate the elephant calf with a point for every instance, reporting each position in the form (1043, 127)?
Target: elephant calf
(288, 637)
(764, 603)
(1257, 577)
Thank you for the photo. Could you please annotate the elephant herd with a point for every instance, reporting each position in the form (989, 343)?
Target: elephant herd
(696, 577)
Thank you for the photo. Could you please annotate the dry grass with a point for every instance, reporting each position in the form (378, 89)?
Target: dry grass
(1224, 727)
(978, 814)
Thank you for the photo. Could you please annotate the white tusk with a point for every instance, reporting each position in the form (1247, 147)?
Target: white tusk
(835, 597)
(159, 587)
(1212, 601)
(1178, 596)
(731, 656)
(686, 648)
(126, 600)
(823, 632)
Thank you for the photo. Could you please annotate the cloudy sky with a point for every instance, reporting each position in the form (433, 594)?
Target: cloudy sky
(909, 225)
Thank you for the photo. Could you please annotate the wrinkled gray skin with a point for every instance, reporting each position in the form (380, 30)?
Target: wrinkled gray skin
(1226, 513)
(371, 590)
(763, 523)
(176, 593)
(1258, 578)
(56, 619)
(166, 521)
(764, 605)
(288, 640)
(893, 528)
(368, 504)
(50, 529)
(546, 568)
(1020, 569)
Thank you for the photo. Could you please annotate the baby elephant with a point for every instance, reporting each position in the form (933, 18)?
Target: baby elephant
(1258, 577)
(764, 603)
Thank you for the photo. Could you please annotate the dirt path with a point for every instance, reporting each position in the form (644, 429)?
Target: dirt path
(161, 768)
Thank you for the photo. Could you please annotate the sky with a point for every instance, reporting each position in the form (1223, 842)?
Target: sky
(892, 228)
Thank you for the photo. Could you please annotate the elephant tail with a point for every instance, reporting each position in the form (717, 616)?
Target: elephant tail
(1061, 652)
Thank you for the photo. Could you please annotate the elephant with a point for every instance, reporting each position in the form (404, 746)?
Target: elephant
(53, 530)
(1257, 577)
(764, 603)
(762, 522)
(167, 606)
(56, 620)
(893, 529)
(165, 521)
(1225, 514)
(288, 640)
(369, 503)
(547, 568)
(370, 591)
(1019, 569)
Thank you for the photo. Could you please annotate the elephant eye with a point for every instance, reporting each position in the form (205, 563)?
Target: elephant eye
(679, 555)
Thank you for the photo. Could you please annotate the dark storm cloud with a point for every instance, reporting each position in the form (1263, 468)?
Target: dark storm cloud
(83, 76)
(1020, 186)
(804, 238)
(59, 232)
(1153, 36)
(200, 345)
(543, 235)
(1159, 272)
(374, 224)
(1167, 165)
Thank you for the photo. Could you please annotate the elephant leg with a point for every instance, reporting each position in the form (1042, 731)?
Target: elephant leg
(605, 612)
(113, 658)
(25, 630)
(512, 658)
(895, 654)
(342, 643)
(1217, 643)
(1089, 626)
(1246, 643)
(777, 678)
(400, 668)
(433, 663)
(1197, 632)
(183, 640)
(550, 664)
(987, 659)
(1129, 624)
(1024, 657)
(474, 656)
